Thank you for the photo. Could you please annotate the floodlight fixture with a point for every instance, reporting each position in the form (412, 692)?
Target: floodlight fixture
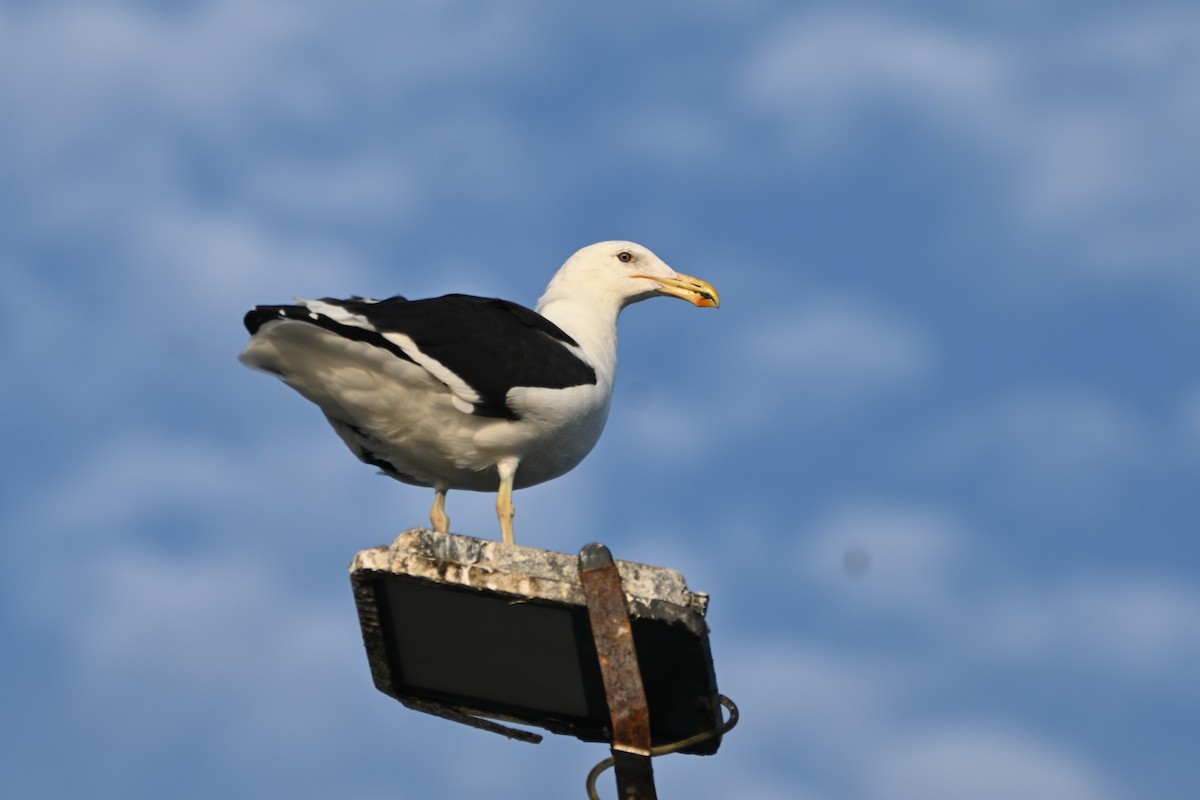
(487, 634)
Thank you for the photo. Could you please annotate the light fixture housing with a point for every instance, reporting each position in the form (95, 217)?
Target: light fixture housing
(475, 630)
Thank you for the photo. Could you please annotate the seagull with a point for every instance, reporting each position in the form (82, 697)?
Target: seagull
(464, 392)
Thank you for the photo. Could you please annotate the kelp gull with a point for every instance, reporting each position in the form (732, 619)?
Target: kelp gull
(462, 392)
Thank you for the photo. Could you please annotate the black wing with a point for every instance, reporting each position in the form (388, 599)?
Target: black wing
(492, 345)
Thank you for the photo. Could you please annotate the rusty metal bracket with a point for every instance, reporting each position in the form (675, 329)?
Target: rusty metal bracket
(674, 747)
(626, 696)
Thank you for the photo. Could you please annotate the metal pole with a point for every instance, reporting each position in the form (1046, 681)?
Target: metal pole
(613, 634)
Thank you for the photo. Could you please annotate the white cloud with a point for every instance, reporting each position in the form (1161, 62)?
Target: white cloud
(682, 134)
(364, 189)
(887, 561)
(227, 110)
(823, 70)
(115, 485)
(1048, 438)
(667, 429)
(860, 725)
(134, 486)
(214, 263)
(808, 704)
(1143, 628)
(1109, 173)
(221, 67)
(199, 622)
(982, 763)
(832, 350)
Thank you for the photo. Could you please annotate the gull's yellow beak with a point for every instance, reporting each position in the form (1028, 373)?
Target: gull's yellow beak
(695, 291)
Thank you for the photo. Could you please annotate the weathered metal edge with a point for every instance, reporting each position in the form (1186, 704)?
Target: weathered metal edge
(492, 566)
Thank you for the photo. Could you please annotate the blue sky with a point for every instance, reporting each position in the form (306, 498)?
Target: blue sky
(957, 252)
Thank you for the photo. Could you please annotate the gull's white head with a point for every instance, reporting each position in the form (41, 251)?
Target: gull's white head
(623, 273)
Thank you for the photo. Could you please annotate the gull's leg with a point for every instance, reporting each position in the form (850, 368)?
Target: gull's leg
(441, 522)
(504, 502)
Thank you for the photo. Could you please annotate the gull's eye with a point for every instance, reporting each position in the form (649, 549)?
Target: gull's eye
(625, 256)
